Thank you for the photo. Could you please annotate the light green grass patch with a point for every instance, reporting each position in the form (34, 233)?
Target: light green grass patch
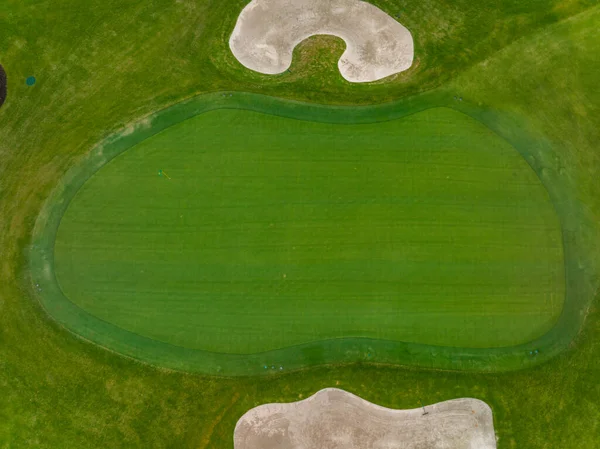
(239, 232)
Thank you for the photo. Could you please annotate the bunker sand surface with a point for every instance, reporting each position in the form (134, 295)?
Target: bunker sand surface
(267, 31)
(336, 419)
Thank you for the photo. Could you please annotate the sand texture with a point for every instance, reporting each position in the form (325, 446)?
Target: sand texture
(336, 419)
(267, 31)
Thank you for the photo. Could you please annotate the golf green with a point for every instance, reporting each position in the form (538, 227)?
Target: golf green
(240, 232)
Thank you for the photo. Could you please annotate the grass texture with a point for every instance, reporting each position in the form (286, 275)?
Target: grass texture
(105, 64)
(333, 350)
(265, 232)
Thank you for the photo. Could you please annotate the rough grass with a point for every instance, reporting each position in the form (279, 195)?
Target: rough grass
(101, 65)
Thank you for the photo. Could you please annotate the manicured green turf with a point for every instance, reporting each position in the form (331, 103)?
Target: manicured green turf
(103, 64)
(266, 232)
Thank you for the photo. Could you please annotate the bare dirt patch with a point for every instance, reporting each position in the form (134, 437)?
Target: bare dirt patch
(267, 31)
(336, 419)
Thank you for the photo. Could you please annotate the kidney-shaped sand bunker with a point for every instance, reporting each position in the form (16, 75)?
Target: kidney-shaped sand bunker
(336, 419)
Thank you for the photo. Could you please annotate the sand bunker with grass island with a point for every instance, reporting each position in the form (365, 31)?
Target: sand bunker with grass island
(267, 31)
(336, 419)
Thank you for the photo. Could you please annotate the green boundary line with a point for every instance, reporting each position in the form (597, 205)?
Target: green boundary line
(536, 151)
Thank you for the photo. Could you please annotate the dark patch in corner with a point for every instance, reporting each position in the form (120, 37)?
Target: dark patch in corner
(2, 85)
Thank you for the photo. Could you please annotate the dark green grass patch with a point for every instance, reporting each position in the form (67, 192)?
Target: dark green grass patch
(240, 232)
(3, 85)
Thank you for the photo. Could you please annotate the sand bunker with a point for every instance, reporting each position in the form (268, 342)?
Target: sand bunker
(267, 31)
(336, 419)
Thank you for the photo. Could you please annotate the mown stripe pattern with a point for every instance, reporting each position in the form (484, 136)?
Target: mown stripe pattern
(270, 232)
